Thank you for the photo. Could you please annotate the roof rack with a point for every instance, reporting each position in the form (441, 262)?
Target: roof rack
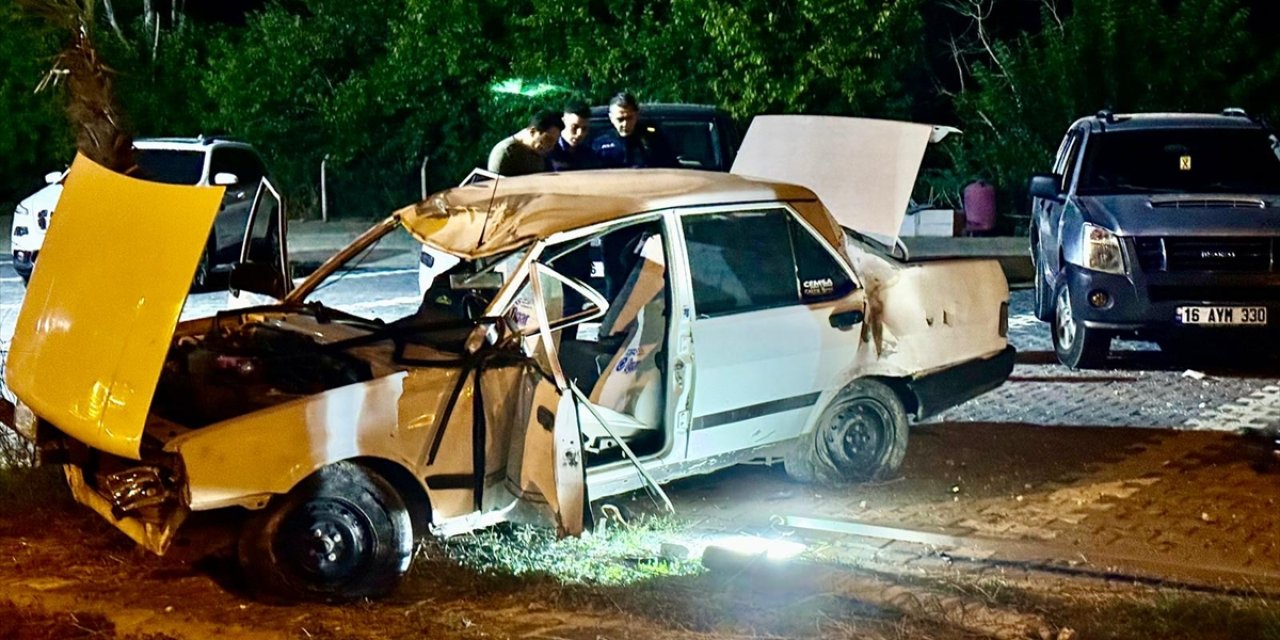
(1235, 112)
(1105, 115)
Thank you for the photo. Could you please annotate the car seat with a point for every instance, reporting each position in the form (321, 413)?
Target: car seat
(621, 370)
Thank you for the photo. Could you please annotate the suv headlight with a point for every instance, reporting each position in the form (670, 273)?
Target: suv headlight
(1102, 250)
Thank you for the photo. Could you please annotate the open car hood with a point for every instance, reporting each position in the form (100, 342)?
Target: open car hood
(102, 305)
(862, 169)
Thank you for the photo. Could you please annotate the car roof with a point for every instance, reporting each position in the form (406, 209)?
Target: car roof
(485, 218)
(1104, 122)
(665, 109)
(188, 144)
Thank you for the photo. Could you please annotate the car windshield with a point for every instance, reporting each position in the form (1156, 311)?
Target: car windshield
(170, 166)
(1232, 161)
(369, 281)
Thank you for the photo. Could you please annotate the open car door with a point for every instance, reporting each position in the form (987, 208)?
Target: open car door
(551, 474)
(262, 273)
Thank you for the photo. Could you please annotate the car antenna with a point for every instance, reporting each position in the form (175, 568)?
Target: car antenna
(489, 211)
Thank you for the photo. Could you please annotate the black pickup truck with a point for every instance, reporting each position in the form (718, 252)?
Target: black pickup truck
(703, 136)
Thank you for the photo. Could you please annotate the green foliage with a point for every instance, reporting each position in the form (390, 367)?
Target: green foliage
(35, 138)
(376, 87)
(615, 556)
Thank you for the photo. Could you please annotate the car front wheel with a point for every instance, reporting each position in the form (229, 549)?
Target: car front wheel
(861, 436)
(341, 534)
(1076, 345)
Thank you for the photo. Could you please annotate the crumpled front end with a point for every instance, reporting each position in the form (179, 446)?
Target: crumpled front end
(147, 499)
(136, 501)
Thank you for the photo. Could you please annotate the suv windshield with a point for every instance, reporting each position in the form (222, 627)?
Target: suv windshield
(1181, 161)
(170, 166)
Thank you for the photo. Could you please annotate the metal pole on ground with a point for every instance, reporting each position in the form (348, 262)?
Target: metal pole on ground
(422, 175)
(324, 192)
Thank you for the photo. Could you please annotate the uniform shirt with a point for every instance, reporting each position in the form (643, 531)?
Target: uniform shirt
(646, 148)
(566, 158)
(512, 158)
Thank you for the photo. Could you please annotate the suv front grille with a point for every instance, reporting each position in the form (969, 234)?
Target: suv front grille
(1243, 255)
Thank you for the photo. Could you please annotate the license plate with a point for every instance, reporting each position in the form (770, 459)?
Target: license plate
(1222, 316)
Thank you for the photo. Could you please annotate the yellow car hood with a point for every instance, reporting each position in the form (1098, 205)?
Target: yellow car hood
(100, 309)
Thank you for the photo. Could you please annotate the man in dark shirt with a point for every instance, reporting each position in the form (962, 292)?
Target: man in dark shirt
(632, 144)
(526, 151)
(572, 152)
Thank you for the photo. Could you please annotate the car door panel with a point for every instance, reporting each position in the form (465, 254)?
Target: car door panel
(763, 351)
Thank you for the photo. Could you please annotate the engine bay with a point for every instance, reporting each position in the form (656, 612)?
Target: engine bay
(238, 368)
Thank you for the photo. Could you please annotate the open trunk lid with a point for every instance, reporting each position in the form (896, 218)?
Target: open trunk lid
(862, 169)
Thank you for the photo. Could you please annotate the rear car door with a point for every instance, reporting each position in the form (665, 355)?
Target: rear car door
(775, 310)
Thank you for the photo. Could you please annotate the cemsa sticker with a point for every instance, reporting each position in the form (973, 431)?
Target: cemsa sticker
(818, 287)
(1184, 163)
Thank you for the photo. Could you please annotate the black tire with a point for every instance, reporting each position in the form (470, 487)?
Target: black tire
(341, 534)
(1077, 346)
(861, 436)
(1043, 295)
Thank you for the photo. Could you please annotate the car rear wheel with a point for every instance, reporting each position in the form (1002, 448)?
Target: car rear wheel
(341, 534)
(861, 436)
(1076, 345)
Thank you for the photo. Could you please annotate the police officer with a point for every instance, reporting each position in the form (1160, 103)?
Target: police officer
(630, 144)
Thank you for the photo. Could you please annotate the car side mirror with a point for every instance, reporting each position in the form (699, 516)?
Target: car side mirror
(257, 277)
(226, 179)
(52, 177)
(844, 320)
(1045, 185)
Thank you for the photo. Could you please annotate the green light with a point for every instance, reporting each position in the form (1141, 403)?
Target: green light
(518, 86)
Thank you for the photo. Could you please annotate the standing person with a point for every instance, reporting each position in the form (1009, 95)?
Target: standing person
(572, 152)
(629, 144)
(526, 151)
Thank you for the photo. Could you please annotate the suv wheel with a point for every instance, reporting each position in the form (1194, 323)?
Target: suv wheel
(1076, 345)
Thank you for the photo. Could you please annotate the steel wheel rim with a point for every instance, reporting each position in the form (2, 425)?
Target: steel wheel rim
(1066, 324)
(857, 435)
(327, 541)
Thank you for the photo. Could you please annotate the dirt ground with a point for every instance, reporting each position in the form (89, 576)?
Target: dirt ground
(1057, 532)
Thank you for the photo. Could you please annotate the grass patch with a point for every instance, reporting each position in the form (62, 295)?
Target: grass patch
(1174, 615)
(27, 489)
(613, 556)
(619, 576)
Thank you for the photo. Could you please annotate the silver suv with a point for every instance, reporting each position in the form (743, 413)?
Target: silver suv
(1158, 226)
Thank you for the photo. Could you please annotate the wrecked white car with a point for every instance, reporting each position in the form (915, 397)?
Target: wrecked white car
(730, 319)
